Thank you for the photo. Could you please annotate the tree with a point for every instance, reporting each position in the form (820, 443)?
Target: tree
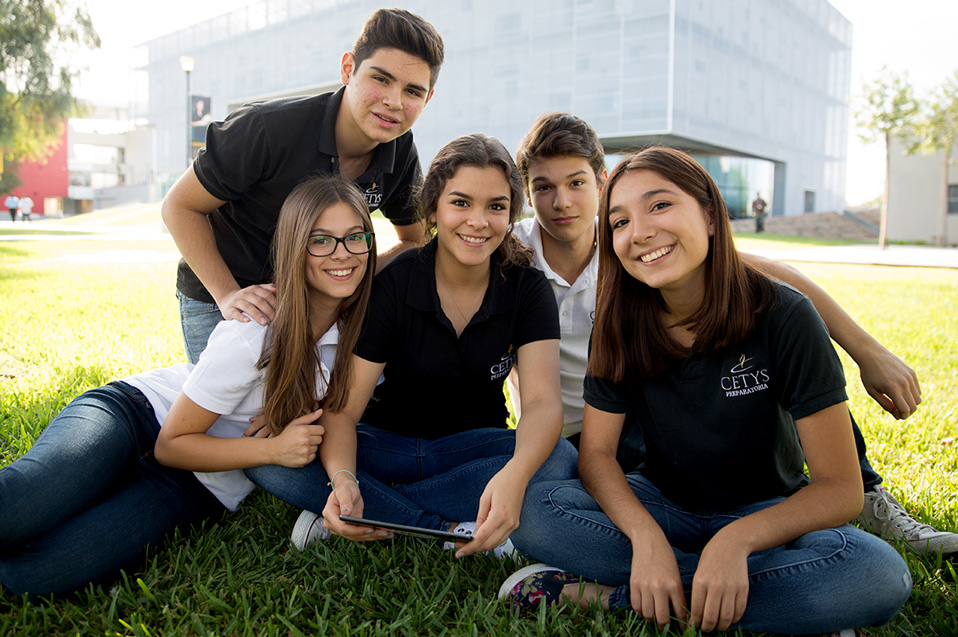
(37, 40)
(937, 131)
(886, 107)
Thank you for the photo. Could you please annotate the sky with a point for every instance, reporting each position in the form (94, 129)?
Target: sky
(917, 36)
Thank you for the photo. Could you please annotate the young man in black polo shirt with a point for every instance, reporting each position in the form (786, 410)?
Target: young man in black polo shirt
(222, 211)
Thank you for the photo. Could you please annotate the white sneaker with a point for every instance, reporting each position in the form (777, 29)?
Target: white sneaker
(884, 516)
(308, 529)
(467, 529)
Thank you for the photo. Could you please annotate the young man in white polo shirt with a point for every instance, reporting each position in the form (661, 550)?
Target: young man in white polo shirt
(562, 164)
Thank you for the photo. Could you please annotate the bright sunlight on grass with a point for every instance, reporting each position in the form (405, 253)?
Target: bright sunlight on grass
(78, 314)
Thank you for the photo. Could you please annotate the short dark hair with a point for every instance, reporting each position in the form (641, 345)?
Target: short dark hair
(559, 135)
(402, 30)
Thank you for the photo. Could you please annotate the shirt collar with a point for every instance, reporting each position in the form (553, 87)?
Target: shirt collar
(422, 293)
(384, 155)
(588, 277)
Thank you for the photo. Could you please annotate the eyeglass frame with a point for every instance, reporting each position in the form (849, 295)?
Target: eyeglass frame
(337, 240)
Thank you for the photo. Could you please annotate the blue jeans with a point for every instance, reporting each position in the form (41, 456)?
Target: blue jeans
(822, 582)
(88, 497)
(198, 318)
(413, 481)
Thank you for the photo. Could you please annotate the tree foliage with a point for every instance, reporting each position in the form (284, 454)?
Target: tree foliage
(37, 40)
(886, 107)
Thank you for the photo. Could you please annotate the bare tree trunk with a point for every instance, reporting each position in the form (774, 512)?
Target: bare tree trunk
(883, 223)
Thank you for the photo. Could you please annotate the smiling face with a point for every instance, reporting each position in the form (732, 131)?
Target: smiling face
(564, 193)
(660, 234)
(336, 276)
(472, 216)
(384, 95)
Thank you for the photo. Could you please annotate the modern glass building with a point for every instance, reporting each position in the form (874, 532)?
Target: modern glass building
(755, 89)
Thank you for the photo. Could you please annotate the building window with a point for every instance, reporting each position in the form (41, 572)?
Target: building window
(953, 199)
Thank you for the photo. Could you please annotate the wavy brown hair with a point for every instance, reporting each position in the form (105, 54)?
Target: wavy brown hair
(629, 338)
(290, 356)
(479, 151)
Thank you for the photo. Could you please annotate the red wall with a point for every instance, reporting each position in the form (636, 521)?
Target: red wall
(47, 179)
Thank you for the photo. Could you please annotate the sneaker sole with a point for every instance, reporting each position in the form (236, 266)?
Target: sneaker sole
(301, 530)
(518, 576)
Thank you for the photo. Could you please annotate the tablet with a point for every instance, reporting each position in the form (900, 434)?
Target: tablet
(414, 531)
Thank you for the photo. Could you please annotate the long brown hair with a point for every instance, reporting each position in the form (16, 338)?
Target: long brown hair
(289, 354)
(629, 339)
(479, 151)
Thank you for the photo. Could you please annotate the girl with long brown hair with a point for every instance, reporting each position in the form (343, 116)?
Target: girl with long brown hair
(106, 480)
(429, 446)
(734, 383)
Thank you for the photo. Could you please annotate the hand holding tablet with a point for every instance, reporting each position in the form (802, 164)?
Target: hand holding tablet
(414, 531)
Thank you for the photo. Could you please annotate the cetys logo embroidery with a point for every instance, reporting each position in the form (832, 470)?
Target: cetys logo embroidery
(373, 196)
(744, 378)
(504, 365)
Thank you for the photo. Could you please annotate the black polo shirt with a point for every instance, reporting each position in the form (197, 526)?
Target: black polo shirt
(254, 158)
(435, 383)
(720, 428)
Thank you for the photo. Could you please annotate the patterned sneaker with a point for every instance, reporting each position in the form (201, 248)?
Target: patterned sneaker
(535, 584)
(884, 516)
(308, 529)
(501, 552)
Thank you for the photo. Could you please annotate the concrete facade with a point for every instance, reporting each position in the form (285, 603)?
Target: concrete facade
(915, 192)
(756, 88)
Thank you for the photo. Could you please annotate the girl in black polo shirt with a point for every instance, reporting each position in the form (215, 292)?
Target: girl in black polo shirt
(735, 384)
(446, 324)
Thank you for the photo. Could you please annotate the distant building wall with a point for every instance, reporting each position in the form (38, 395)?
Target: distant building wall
(757, 80)
(47, 179)
(915, 193)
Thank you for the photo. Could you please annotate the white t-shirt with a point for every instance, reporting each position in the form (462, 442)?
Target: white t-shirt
(576, 314)
(226, 381)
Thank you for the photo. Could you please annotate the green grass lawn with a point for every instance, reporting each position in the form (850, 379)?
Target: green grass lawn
(77, 315)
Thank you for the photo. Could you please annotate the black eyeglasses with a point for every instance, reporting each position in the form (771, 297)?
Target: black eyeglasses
(323, 245)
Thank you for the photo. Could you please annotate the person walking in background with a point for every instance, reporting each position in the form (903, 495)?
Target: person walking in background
(26, 208)
(12, 203)
(758, 211)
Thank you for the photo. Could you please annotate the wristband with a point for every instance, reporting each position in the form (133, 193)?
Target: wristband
(353, 475)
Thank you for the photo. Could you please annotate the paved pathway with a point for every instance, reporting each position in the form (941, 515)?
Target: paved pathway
(865, 254)
(922, 256)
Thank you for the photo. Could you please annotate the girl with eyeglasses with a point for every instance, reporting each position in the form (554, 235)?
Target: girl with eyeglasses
(123, 465)
(429, 446)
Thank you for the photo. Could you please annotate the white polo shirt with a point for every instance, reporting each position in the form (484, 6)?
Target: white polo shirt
(226, 381)
(576, 303)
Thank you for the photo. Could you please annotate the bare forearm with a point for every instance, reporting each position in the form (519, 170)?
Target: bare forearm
(382, 258)
(201, 452)
(194, 238)
(537, 433)
(338, 451)
(842, 327)
(605, 481)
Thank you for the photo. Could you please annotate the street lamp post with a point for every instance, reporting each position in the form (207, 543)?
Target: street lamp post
(187, 63)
